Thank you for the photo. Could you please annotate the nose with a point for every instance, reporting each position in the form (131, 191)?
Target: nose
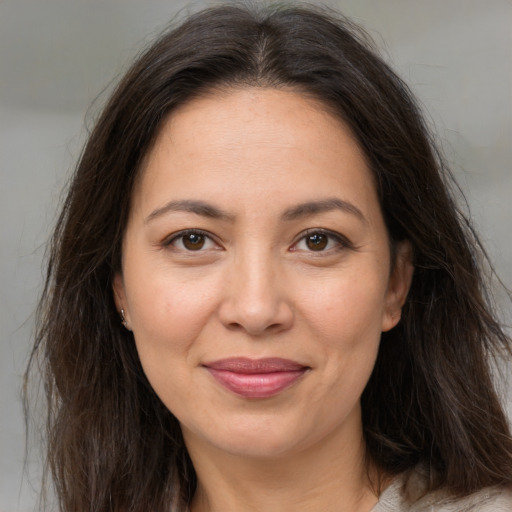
(256, 298)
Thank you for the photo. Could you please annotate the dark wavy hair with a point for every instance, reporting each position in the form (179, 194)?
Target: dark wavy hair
(112, 445)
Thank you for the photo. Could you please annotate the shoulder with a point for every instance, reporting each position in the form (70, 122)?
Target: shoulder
(406, 494)
(491, 499)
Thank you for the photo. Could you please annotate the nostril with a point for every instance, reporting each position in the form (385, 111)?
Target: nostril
(233, 326)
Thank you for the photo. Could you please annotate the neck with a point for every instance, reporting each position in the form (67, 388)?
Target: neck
(331, 475)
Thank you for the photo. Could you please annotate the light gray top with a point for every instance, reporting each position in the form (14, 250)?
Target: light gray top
(406, 494)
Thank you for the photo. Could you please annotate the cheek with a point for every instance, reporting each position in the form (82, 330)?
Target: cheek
(168, 315)
(345, 320)
(347, 312)
(168, 310)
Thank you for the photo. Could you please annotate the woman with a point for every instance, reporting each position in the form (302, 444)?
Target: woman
(260, 294)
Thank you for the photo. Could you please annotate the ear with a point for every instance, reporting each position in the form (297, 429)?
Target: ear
(120, 299)
(398, 286)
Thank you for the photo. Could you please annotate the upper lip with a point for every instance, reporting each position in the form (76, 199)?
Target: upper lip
(251, 366)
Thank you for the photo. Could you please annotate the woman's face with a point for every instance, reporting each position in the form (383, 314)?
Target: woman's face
(256, 272)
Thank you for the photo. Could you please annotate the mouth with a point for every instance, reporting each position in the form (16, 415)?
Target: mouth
(256, 378)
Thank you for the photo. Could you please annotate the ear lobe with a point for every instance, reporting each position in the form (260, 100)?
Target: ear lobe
(118, 289)
(398, 286)
(120, 299)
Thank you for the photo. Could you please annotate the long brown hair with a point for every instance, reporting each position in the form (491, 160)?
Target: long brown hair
(112, 445)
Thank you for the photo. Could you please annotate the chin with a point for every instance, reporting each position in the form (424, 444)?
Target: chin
(262, 439)
(254, 447)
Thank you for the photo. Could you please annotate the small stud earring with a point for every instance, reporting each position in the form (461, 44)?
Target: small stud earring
(123, 319)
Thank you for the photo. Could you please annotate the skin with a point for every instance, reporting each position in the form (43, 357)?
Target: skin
(257, 288)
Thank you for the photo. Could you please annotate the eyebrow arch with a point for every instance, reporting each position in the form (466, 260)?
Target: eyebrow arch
(192, 206)
(321, 206)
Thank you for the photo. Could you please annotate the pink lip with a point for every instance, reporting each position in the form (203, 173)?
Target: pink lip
(256, 378)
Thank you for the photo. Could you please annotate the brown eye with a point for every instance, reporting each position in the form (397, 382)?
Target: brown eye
(317, 241)
(193, 241)
(322, 241)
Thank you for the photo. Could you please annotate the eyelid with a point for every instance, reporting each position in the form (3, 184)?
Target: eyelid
(342, 241)
(168, 240)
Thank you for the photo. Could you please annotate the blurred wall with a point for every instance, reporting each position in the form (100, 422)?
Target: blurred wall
(56, 56)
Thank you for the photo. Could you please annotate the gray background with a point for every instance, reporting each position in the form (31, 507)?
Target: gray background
(57, 56)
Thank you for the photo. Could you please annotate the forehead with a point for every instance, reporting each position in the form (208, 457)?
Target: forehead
(252, 142)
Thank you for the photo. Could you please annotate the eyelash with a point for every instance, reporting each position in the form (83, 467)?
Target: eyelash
(340, 241)
(182, 234)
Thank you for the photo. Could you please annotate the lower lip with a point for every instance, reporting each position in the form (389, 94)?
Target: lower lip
(256, 385)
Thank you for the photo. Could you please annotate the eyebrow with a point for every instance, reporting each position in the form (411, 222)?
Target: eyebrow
(192, 206)
(321, 206)
(205, 209)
